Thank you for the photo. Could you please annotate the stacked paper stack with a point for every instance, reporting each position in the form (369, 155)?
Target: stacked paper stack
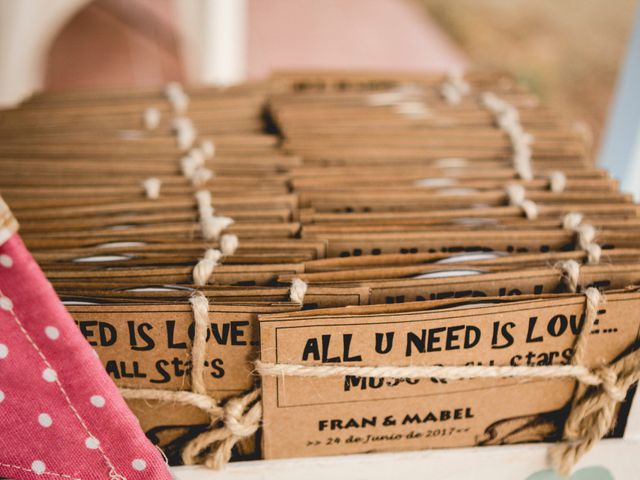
(352, 281)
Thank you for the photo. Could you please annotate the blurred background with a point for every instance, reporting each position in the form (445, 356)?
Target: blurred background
(568, 51)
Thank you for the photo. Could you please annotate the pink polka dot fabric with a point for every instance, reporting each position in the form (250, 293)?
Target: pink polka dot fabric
(61, 416)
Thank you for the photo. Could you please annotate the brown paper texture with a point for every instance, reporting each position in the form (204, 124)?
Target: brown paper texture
(355, 415)
(149, 346)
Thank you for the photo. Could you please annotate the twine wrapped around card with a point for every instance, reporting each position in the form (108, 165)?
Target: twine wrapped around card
(594, 404)
(591, 416)
(297, 291)
(570, 270)
(185, 133)
(557, 181)
(516, 196)
(238, 417)
(585, 236)
(151, 187)
(151, 118)
(177, 97)
(507, 118)
(454, 88)
(205, 267)
(211, 225)
(230, 422)
(592, 413)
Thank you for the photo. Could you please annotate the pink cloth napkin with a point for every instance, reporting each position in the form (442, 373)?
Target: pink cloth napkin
(61, 416)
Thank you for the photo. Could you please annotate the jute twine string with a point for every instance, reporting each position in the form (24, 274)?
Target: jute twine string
(229, 243)
(151, 118)
(151, 187)
(208, 148)
(298, 291)
(412, 109)
(212, 225)
(192, 165)
(238, 418)
(401, 94)
(570, 270)
(205, 267)
(230, 422)
(406, 99)
(185, 132)
(454, 88)
(507, 118)
(590, 418)
(591, 415)
(516, 195)
(214, 449)
(585, 232)
(200, 306)
(191, 162)
(557, 181)
(177, 97)
(201, 176)
(592, 412)
(585, 236)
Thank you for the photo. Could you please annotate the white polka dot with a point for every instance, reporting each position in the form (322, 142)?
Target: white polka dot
(92, 443)
(139, 464)
(97, 401)
(1, 396)
(38, 467)
(4, 350)
(49, 374)
(6, 261)
(52, 332)
(6, 303)
(44, 420)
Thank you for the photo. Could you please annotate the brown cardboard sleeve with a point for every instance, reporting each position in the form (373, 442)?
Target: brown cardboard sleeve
(338, 415)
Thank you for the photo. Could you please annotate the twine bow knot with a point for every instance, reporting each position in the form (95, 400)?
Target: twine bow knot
(610, 383)
(239, 418)
(594, 411)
